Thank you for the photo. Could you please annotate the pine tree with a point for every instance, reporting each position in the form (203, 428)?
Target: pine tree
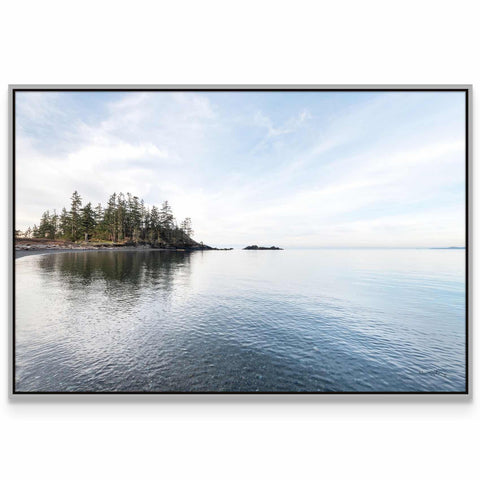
(154, 224)
(144, 220)
(44, 229)
(99, 231)
(53, 225)
(98, 214)
(167, 221)
(186, 227)
(64, 224)
(121, 216)
(88, 220)
(146, 224)
(75, 216)
(110, 217)
(135, 217)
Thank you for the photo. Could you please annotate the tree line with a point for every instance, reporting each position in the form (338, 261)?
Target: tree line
(125, 218)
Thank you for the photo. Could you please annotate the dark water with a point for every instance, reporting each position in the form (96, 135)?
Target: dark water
(293, 320)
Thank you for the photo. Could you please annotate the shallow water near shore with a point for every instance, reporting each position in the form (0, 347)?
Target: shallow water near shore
(241, 321)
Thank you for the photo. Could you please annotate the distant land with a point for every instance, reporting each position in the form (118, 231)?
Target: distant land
(256, 247)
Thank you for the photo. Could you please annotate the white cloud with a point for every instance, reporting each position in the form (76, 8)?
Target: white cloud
(291, 125)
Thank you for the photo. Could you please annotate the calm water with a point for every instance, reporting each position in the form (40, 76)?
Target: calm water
(293, 320)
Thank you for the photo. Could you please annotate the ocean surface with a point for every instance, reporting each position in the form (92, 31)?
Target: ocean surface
(326, 320)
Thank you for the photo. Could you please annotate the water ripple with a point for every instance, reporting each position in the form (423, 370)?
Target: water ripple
(312, 321)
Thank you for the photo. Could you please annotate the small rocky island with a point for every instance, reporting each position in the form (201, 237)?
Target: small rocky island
(256, 247)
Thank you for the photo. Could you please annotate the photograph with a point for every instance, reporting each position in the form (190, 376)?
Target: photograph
(239, 239)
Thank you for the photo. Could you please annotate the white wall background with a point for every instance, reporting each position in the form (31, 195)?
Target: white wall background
(243, 42)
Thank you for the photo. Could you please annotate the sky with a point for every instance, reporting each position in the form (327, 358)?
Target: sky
(293, 169)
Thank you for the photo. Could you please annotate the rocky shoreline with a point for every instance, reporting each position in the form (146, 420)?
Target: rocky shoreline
(34, 246)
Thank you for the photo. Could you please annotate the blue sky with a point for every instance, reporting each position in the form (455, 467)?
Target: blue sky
(296, 169)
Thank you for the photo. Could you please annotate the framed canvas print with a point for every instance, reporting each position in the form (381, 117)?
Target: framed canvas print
(239, 239)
